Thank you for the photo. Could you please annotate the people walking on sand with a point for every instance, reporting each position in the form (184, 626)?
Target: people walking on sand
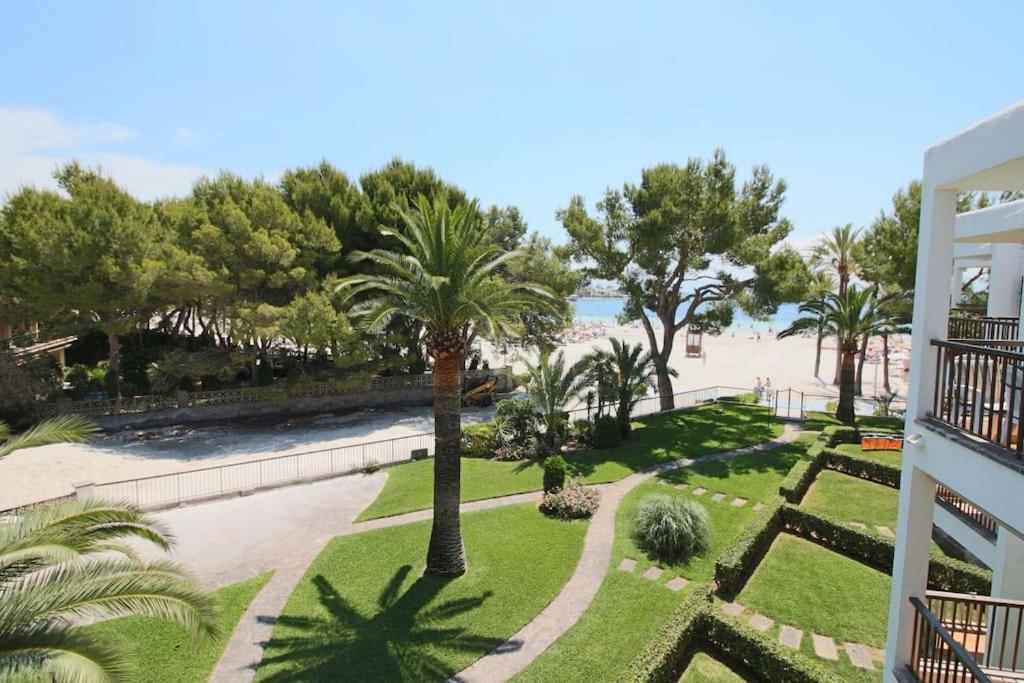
(768, 389)
(758, 390)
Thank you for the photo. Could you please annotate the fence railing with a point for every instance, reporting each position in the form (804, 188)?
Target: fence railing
(967, 511)
(978, 390)
(968, 327)
(968, 635)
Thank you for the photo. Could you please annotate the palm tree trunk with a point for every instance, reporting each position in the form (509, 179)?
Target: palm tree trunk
(862, 355)
(847, 375)
(885, 362)
(446, 555)
(817, 355)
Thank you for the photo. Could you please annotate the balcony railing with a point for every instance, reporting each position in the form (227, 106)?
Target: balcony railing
(968, 327)
(967, 638)
(967, 511)
(978, 390)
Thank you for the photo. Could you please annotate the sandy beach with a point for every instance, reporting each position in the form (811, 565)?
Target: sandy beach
(734, 361)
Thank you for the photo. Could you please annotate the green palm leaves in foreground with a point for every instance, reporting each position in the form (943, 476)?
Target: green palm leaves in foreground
(447, 274)
(849, 317)
(623, 376)
(66, 564)
(551, 386)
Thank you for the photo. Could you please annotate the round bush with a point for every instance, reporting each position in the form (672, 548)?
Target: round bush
(583, 431)
(607, 432)
(554, 473)
(479, 441)
(671, 528)
(575, 501)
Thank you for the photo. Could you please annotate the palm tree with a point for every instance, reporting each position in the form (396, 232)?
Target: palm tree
(836, 252)
(551, 386)
(65, 564)
(849, 317)
(445, 275)
(624, 374)
(822, 282)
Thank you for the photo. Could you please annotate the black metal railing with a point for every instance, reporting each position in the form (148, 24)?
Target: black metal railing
(967, 511)
(966, 327)
(978, 390)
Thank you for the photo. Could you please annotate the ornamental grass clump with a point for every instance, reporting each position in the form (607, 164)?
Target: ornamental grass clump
(574, 501)
(672, 529)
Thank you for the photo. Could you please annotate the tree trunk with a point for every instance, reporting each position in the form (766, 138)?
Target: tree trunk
(817, 355)
(839, 364)
(446, 555)
(885, 363)
(114, 345)
(845, 413)
(861, 356)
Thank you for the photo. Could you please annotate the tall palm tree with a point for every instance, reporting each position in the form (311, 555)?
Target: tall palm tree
(551, 386)
(822, 282)
(445, 275)
(625, 374)
(848, 317)
(836, 251)
(62, 565)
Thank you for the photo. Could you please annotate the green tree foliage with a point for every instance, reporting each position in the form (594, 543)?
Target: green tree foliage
(551, 386)
(446, 277)
(688, 245)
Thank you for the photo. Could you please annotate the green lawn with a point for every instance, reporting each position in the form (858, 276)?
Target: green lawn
(162, 652)
(703, 668)
(657, 439)
(887, 457)
(814, 589)
(629, 610)
(853, 500)
(365, 611)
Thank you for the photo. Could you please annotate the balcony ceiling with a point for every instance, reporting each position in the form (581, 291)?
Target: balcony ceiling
(988, 156)
(999, 223)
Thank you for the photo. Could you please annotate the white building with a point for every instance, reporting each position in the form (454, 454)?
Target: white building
(965, 419)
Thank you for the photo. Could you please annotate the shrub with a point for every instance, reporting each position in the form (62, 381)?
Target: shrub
(79, 378)
(607, 432)
(672, 528)
(479, 440)
(554, 473)
(860, 467)
(583, 431)
(739, 560)
(518, 419)
(662, 654)
(802, 474)
(575, 501)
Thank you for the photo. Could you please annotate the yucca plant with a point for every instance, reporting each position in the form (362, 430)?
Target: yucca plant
(447, 275)
(64, 565)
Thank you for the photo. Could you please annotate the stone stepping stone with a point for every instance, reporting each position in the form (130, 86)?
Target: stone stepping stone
(790, 637)
(733, 609)
(761, 622)
(859, 656)
(699, 491)
(654, 573)
(825, 647)
(858, 525)
(677, 584)
(627, 565)
(718, 497)
(886, 531)
(758, 507)
(682, 487)
(739, 502)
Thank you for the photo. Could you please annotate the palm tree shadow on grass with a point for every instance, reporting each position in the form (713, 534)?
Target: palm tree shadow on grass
(390, 645)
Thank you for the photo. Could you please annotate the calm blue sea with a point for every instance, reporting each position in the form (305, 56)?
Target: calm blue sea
(607, 310)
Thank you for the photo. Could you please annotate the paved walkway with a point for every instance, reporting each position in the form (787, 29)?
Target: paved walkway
(515, 654)
(285, 530)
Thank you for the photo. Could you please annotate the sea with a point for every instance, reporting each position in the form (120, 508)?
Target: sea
(606, 310)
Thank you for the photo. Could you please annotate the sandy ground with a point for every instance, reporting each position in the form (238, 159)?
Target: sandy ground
(46, 472)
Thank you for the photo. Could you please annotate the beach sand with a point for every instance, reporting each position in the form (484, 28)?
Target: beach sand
(734, 361)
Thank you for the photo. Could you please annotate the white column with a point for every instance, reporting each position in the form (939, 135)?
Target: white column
(1007, 582)
(1004, 280)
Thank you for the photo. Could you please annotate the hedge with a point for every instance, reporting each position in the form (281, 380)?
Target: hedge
(837, 434)
(860, 467)
(738, 562)
(661, 656)
(944, 573)
(802, 474)
(772, 662)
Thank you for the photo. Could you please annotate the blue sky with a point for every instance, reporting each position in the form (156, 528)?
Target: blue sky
(520, 103)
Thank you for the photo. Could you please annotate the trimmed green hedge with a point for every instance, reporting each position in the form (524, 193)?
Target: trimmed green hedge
(802, 474)
(661, 656)
(944, 573)
(742, 643)
(837, 434)
(738, 562)
(860, 467)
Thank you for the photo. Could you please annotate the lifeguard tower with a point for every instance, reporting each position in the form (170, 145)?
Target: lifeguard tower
(694, 341)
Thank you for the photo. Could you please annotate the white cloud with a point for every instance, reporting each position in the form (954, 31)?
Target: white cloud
(185, 135)
(34, 142)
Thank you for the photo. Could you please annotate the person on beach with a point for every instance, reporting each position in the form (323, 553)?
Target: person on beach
(768, 389)
(758, 390)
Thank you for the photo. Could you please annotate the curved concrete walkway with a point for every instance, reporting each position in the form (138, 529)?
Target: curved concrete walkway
(245, 648)
(516, 653)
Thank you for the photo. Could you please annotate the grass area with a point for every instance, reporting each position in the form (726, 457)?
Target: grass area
(365, 611)
(816, 590)
(161, 652)
(629, 610)
(657, 439)
(887, 457)
(852, 499)
(703, 668)
(816, 421)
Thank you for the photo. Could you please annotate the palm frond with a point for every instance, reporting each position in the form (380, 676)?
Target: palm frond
(63, 429)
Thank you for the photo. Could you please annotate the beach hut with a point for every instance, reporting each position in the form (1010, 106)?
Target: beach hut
(694, 339)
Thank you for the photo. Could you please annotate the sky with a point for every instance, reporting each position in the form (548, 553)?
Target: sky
(524, 103)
